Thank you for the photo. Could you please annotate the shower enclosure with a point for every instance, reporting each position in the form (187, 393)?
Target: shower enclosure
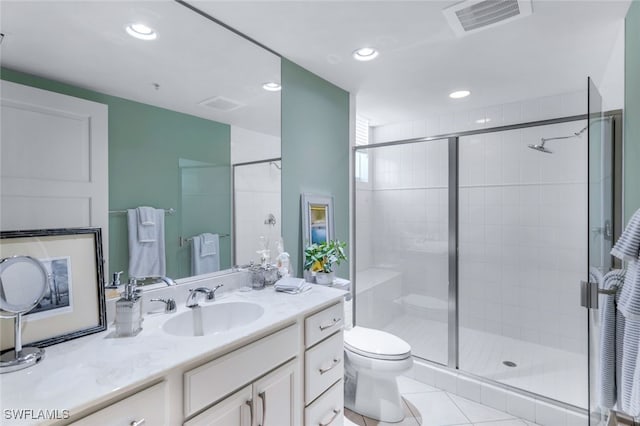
(471, 247)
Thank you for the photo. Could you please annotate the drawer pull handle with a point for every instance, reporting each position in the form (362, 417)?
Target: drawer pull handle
(333, 322)
(263, 398)
(138, 422)
(250, 404)
(335, 414)
(335, 363)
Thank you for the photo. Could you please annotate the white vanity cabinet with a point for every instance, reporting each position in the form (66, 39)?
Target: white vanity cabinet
(324, 367)
(273, 397)
(270, 401)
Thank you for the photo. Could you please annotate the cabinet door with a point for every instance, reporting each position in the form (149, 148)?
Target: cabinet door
(276, 397)
(235, 410)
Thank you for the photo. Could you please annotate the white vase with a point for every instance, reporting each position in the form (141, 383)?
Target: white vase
(325, 278)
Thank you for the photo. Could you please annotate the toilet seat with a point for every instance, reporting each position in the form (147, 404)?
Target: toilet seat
(376, 344)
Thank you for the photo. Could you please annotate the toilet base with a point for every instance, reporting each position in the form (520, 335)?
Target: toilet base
(374, 397)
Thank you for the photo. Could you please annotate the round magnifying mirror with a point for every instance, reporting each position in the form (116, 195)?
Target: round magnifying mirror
(23, 283)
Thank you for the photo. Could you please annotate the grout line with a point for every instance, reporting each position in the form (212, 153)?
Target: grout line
(458, 407)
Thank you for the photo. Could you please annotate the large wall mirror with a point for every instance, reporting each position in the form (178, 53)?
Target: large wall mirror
(183, 109)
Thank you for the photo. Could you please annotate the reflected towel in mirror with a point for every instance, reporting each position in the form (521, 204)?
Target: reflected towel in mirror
(147, 231)
(205, 257)
(146, 258)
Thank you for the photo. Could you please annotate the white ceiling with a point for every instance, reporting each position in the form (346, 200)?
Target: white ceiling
(421, 60)
(84, 43)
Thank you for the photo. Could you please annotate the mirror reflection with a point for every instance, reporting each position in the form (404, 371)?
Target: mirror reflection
(185, 102)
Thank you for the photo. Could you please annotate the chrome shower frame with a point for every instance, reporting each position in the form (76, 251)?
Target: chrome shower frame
(453, 231)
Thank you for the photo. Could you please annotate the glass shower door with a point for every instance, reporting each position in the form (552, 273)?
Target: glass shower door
(402, 218)
(599, 244)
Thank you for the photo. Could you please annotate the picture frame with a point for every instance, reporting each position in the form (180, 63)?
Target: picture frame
(75, 304)
(317, 219)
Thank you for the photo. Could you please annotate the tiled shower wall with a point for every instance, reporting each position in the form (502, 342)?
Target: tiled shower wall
(522, 218)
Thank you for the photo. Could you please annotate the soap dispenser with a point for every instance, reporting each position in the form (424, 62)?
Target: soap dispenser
(129, 311)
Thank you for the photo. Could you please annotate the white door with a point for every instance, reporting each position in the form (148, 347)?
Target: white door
(53, 161)
(235, 410)
(275, 397)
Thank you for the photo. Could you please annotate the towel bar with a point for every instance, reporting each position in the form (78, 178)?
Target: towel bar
(183, 240)
(170, 211)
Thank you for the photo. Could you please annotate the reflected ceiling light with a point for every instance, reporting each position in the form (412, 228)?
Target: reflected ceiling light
(483, 120)
(141, 31)
(272, 86)
(459, 94)
(365, 54)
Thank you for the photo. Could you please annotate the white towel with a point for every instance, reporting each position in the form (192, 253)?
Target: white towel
(208, 244)
(146, 258)
(611, 320)
(291, 285)
(627, 248)
(147, 229)
(205, 263)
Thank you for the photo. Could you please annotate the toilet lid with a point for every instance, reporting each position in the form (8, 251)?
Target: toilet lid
(376, 344)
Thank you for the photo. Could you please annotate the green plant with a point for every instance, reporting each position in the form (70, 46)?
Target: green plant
(321, 257)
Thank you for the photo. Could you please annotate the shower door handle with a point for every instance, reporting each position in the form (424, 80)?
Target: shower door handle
(589, 294)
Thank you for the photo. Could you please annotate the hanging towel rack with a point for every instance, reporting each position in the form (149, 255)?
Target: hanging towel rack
(170, 211)
(183, 240)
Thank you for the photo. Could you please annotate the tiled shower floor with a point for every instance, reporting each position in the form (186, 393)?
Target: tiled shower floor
(554, 373)
(428, 406)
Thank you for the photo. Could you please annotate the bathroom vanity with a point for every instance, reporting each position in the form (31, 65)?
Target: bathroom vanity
(281, 367)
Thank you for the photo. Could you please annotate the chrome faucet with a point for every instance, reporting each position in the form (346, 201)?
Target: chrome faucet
(153, 280)
(192, 299)
(168, 281)
(169, 304)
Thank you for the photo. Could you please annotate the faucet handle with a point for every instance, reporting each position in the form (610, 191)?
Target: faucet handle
(169, 304)
(212, 295)
(115, 281)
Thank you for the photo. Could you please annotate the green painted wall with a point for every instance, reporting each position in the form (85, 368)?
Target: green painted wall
(145, 146)
(632, 111)
(315, 153)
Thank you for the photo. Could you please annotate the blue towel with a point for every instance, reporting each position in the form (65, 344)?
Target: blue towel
(611, 329)
(146, 258)
(205, 263)
(627, 248)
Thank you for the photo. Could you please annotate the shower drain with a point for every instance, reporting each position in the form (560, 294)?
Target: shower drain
(510, 363)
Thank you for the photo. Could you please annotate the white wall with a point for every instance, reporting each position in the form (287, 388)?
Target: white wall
(247, 145)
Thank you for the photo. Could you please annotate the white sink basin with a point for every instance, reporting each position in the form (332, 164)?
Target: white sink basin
(213, 319)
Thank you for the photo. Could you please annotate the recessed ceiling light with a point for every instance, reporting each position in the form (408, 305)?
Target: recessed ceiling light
(365, 54)
(141, 31)
(483, 120)
(272, 86)
(459, 94)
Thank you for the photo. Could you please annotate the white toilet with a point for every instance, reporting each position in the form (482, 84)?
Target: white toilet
(373, 361)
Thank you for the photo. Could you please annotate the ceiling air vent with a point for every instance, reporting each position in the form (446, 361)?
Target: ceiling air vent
(474, 15)
(222, 104)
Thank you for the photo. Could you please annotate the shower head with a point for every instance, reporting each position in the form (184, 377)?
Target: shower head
(541, 147)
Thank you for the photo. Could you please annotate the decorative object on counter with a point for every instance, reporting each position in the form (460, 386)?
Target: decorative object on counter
(321, 259)
(205, 253)
(263, 275)
(74, 302)
(146, 242)
(317, 219)
(129, 311)
(24, 281)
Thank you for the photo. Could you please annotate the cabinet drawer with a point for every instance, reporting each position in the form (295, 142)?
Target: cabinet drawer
(323, 366)
(323, 324)
(326, 410)
(212, 381)
(148, 407)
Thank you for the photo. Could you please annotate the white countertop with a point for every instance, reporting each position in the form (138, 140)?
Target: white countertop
(77, 374)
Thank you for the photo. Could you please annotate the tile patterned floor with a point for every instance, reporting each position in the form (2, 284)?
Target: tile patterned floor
(428, 406)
